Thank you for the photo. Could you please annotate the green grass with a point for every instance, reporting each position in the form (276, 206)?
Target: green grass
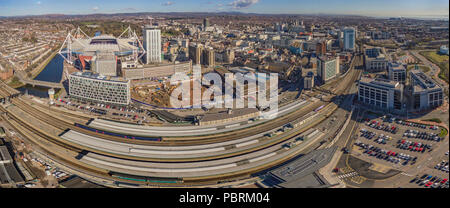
(434, 120)
(443, 132)
(434, 56)
(441, 61)
(15, 83)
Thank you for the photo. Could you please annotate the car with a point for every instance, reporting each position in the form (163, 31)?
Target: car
(428, 184)
(423, 182)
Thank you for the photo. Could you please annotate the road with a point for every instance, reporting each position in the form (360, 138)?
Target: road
(434, 68)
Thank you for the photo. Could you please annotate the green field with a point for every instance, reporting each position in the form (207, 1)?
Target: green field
(440, 60)
(434, 120)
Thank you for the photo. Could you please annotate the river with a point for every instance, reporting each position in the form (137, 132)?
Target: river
(51, 73)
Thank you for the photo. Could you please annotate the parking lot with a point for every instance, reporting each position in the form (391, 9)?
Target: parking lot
(429, 181)
(394, 143)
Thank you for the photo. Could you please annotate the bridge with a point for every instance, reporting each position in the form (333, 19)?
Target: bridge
(24, 79)
(42, 83)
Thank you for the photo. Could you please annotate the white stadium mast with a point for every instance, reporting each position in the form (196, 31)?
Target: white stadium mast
(136, 42)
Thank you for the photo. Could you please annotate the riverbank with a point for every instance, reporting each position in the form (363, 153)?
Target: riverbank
(15, 84)
(35, 72)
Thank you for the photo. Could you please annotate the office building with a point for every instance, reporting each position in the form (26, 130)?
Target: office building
(152, 45)
(321, 48)
(209, 57)
(376, 59)
(397, 72)
(205, 23)
(229, 54)
(104, 63)
(93, 87)
(425, 92)
(195, 53)
(349, 38)
(308, 81)
(157, 71)
(327, 67)
(381, 93)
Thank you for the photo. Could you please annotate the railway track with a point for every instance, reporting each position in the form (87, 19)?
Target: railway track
(20, 126)
(63, 125)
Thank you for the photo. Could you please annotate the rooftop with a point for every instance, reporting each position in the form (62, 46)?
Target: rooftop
(375, 53)
(396, 66)
(423, 81)
(381, 82)
(327, 58)
(303, 168)
(98, 76)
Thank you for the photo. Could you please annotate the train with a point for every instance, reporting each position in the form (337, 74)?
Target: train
(157, 139)
(319, 108)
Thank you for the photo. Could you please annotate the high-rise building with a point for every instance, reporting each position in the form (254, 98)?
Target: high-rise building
(198, 54)
(152, 44)
(209, 57)
(205, 23)
(327, 67)
(349, 38)
(229, 56)
(321, 48)
(308, 81)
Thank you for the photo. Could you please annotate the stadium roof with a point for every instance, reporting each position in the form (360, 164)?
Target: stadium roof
(102, 43)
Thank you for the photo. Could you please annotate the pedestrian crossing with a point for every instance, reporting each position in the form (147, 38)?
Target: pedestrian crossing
(347, 175)
(351, 175)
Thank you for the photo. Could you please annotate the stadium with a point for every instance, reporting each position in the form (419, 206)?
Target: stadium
(103, 54)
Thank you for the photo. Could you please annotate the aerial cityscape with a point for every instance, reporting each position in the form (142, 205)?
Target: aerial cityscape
(224, 94)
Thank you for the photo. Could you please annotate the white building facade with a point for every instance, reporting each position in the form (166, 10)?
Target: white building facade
(380, 93)
(327, 68)
(426, 93)
(152, 45)
(97, 88)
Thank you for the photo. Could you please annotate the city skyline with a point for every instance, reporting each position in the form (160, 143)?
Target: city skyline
(384, 8)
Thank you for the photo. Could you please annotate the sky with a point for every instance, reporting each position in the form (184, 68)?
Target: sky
(374, 8)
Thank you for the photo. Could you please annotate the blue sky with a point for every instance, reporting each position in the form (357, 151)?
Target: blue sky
(358, 7)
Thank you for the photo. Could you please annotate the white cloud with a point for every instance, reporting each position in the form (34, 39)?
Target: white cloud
(95, 8)
(38, 2)
(241, 4)
(169, 3)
